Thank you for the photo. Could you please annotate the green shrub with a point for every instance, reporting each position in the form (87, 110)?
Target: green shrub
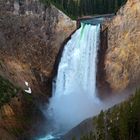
(7, 91)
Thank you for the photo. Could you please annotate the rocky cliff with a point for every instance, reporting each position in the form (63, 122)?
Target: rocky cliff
(31, 35)
(122, 60)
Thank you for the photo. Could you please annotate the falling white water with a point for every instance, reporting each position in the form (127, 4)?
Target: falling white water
(74, 89)
(77, 68)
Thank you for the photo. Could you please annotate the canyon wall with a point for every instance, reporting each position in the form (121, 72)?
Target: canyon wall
(122, 58)
(31, 34)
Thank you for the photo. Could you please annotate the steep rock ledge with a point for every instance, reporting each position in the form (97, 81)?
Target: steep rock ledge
(122, 61)
(31, 35)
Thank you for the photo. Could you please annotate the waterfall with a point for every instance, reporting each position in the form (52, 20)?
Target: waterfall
(74, 88)
(77, 68)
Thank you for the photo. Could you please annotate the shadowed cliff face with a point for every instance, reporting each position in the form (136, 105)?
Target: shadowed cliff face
(122, 62)
(31, 35)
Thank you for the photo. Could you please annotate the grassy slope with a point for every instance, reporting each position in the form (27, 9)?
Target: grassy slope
(26, 113)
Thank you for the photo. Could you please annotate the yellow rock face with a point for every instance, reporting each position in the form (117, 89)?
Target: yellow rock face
(122, 63)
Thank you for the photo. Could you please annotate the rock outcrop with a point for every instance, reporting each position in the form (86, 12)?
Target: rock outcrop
(122, 61)
(31, 35)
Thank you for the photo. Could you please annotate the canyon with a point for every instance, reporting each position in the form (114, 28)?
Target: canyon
(31, 37)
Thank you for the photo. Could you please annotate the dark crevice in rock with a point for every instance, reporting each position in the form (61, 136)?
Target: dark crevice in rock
(102, 85)
(44, 82)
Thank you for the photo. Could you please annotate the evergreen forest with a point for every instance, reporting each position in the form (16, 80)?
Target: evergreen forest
(79, 8)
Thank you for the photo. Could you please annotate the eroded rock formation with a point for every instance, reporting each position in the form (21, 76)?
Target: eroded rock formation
(31, 35)
(122, 62)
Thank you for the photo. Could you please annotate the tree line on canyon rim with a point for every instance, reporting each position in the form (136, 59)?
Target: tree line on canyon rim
(78, 8)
